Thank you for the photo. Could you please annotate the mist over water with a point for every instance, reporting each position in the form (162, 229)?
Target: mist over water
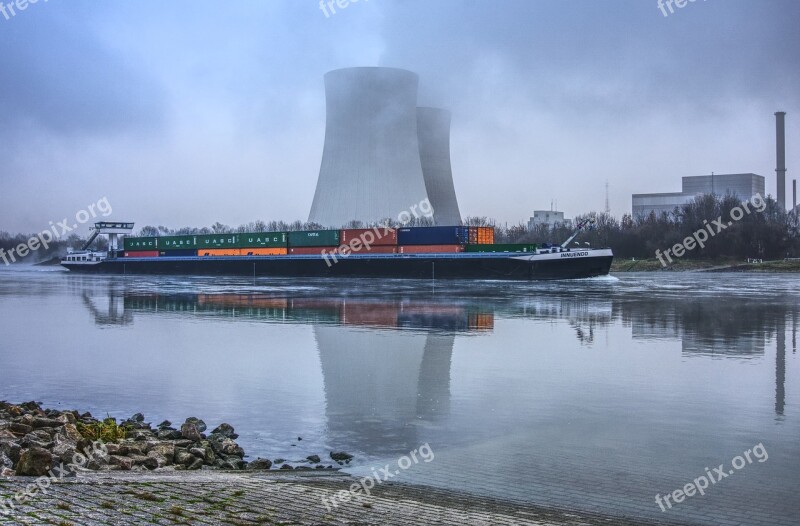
(583, 394)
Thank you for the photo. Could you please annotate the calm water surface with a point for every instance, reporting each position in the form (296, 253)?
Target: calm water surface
(592, 395)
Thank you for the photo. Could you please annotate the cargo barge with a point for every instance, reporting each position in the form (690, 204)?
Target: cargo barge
(417, 253)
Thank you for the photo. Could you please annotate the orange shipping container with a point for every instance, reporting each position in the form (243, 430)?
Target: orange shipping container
(374, 237)
(486, 235)
(362, 250)
(430, 249)
(306, 251)
(219, 252)
(264, 251)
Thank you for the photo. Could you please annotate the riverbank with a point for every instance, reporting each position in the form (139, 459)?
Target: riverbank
(690, 265)
(248, 498)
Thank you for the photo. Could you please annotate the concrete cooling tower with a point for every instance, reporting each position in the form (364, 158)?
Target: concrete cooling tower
(433, 131)
(371, 168)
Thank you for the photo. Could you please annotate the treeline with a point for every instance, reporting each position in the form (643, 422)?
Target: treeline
(759, 230)
(766, 231)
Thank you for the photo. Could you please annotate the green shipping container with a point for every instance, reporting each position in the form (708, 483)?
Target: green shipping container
(218, 241)
(140, 243)
(262, 240)
(502, 247)
(314, 238)
(177, 242)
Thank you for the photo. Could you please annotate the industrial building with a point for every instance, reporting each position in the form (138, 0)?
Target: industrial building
(743, 186)
(550, 218)
(383, 155)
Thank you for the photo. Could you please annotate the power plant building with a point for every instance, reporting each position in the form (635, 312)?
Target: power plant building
(744, 186)
(382, 155)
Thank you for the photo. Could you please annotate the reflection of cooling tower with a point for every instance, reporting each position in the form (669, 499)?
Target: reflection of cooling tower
(433, 129)
(380, 386)
(371, 166)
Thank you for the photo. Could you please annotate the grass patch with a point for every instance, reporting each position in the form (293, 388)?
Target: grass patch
(64, 506)
(105, 431)
(145, 495)
(107, 505)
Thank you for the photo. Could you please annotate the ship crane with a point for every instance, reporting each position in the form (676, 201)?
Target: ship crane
(583, 225)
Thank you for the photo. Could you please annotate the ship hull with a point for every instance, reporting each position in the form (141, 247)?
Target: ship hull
(566, 265)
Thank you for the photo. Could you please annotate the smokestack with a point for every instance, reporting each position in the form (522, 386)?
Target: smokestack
(794, 194)
(780, 136)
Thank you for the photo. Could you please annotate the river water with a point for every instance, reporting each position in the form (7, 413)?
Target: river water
(591, 395)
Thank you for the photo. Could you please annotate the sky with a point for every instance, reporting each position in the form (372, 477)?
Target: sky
(189, 112)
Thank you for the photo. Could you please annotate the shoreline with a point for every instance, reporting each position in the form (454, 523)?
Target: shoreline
(69, 468)
(719, 265)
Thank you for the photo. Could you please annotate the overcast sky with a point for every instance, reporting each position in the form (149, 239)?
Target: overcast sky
(187, 112)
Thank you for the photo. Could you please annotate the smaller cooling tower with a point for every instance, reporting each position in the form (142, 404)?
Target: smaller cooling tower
(433, 130)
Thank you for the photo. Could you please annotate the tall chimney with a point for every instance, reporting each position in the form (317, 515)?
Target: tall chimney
(794, 194)
(780, 136)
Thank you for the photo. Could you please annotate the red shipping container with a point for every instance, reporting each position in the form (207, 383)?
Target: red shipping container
(362, 250)
(430, 249)
(374, 236)
(142, 254)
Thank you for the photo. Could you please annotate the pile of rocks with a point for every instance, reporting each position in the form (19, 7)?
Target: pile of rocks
(33, 441)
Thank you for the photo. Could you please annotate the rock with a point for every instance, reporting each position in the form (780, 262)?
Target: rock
(155, 461)
(197, 464)
(6, 472)
(138, 460)
(199, 424)
(124, 463)
(341, 456)
(302, 468)
(226, 446)
(314, 459)
(169, 434)
(138, 417)
(260, 464)
(34, 462)
(190, 431)
(70, 432)
(33, 440)
(64, 451)
(5, 461)
(166, 424)
(117, 449)
(225, 430)
(233, 462)
(286, 466)
(5, 435)
(140, 434)
(183, 457)
(97, 463)
(199, 452)
(67, 418)
(163, 449)
(20, 429)
(39, 423)
(279, 461)
(183, 443)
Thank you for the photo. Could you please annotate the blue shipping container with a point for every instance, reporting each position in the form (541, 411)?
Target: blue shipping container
(433, 235)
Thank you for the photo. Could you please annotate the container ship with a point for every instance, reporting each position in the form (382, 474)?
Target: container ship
(441, 252)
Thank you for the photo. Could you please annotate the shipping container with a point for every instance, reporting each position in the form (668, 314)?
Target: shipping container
(254, 251)
(481, 235)
(369, 314)
(433, 235)
(219, 252)
(362, 250)
(177, 242)
(177, 253)
(140, 243)
(374, 236)
(218, 241)
(262, 240)
(314, 238)
(502, 247)
(430, 249)
(481, 321)
(142, 254)
(305, 251)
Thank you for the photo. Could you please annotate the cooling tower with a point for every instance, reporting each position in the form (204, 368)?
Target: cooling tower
(433, 130)
(371, 166)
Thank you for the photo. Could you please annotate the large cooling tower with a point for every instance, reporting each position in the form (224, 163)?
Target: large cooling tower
(433, 130)
(371, 167)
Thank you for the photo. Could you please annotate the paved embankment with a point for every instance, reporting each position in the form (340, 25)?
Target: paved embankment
(243, 498)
